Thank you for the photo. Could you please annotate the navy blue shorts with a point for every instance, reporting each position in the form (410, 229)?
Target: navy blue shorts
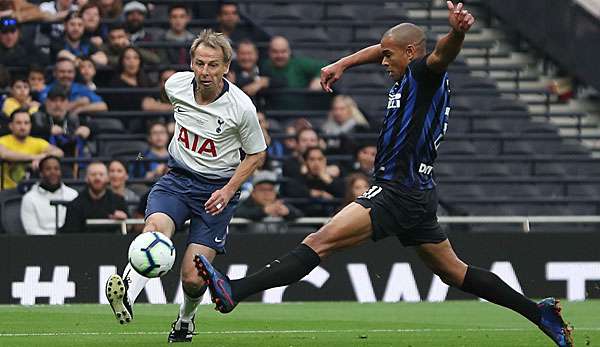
(182, 197)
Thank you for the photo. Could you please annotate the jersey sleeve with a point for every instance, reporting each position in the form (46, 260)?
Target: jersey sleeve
(251, 135)
(421, 72)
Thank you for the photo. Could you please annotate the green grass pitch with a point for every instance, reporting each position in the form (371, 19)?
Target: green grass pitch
(460, 323)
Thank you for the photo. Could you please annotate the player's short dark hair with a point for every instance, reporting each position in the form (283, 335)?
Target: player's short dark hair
(182, 6)
(310, 149)
(46, 158)
(17, 111)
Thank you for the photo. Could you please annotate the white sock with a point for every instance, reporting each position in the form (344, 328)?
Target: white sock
(188, 308)
(135, 281)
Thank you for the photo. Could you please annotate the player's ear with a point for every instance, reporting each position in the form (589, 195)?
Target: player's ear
(227, 68)
(411, 51)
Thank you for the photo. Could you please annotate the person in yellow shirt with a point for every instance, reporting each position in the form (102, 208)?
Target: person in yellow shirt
(19, 141)
(20, 97)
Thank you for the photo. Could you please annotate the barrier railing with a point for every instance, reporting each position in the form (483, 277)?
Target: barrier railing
(524, 221)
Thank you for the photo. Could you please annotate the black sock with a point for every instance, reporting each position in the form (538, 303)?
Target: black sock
(489, 286)
(288, 269)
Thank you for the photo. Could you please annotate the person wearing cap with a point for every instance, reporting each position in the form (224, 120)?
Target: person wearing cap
(263, 201)
(135, 13)
(12, 50)
(58, 126)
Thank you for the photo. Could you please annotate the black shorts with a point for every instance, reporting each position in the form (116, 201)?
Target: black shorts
(410, 215)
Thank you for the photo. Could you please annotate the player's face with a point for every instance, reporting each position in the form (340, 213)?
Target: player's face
(117, 175)
(96, 178)
(74, 28)
(264, 193)
(20, 91)
(51, 172)
(395, 57)
(209, 68)
(359, 187)
(178, 19)
(65, 73)
(36, 81)
(20, 127)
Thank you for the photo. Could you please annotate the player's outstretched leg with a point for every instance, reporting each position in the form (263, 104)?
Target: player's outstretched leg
(116, 293)
(350, 227)
(442, 260)
(182, 329)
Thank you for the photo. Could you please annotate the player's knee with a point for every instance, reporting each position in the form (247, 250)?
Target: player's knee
(449, 276)
(322, 241)
(191, 282)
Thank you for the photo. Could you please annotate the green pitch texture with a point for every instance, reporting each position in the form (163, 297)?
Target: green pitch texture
(466, 323)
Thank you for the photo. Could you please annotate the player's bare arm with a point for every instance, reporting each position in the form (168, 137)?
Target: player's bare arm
(220, 198)
(448, 47)
(333, 72)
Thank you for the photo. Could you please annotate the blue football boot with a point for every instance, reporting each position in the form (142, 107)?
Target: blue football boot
(218, 284)
(552, 323)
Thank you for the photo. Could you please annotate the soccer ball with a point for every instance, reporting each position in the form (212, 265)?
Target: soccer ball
(151, 254)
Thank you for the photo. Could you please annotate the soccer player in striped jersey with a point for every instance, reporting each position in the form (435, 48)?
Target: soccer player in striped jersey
(214, 119)
(403, 201)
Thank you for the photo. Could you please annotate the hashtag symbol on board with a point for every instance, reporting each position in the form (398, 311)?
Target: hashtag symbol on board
(56, 290)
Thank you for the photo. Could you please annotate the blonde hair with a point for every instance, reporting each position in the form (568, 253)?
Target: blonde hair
(214, 40)
(358, 116)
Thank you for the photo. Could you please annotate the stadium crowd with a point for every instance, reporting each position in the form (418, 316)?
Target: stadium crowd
(56, 56)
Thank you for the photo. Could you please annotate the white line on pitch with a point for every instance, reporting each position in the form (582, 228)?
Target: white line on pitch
(234, 332)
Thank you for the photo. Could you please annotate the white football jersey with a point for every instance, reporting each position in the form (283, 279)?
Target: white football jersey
(207, 138)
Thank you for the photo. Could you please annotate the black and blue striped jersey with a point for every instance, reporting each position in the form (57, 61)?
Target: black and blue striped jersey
(414, 125)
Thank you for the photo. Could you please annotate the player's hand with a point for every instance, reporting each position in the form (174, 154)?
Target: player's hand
(218, 201)
(460, 19)
(330, 74)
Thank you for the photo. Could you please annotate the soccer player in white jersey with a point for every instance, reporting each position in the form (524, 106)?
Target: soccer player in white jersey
(214, 119)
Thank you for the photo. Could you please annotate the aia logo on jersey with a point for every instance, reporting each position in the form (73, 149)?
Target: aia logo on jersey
(394, 100)
(187, 137)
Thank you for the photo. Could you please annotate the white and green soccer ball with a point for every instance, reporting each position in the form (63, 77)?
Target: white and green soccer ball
(151, 254)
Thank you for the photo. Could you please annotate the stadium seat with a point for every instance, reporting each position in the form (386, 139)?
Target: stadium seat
(487, 126)
(11, 216)
(457, 147)
(517, 148)
(550, 169)
(107, 126)
(492, 169)
(124, 148)
(339, 12)
(539, 128)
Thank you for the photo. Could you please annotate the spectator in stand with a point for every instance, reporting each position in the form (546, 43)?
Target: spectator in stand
(19, 97)
(118, 176)
(37, 81)
(111, 9)
(81, 98)
(87, 71)
(60, 128)
(20, 141)
(245, 72)
(94, 31)
(356, 184)
(60, 8)
(179, 17)
(94, 202)
(130, 74)
(228, 23)
(13, 52)
(287, 71)
(25, 12)
(73, 45)
(162, 103)
(317, 184)
(294, 167)
(37, 215)
(364, 159)
(158, 139)
(344, 120)
(274, 147)
(135, 15)
(118, 41)
(263, 201)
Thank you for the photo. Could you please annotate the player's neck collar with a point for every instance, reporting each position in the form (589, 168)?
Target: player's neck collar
(223, 91)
